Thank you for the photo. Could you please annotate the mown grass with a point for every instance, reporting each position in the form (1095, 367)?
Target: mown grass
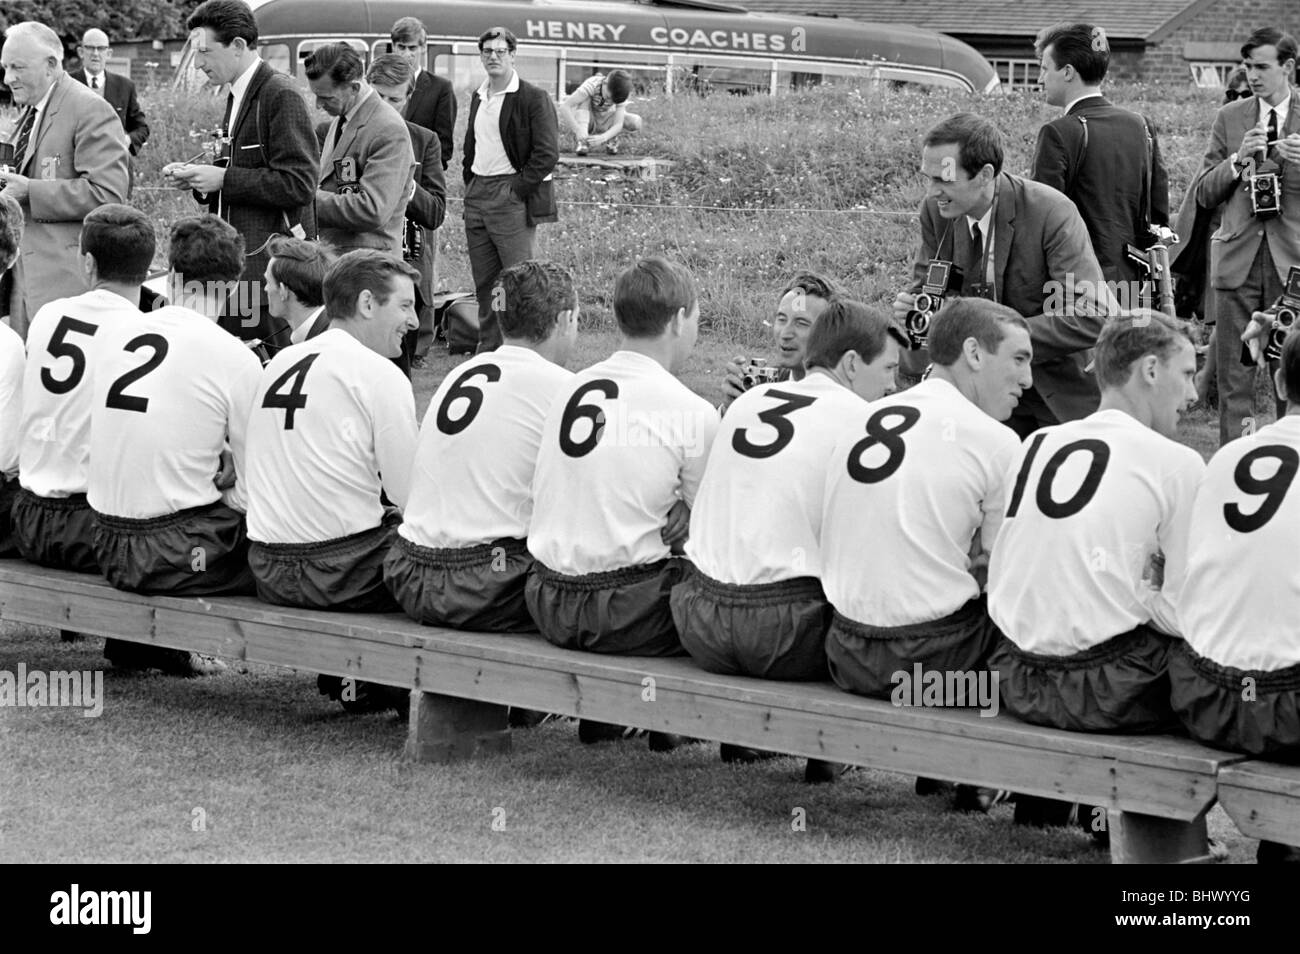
(283, 775)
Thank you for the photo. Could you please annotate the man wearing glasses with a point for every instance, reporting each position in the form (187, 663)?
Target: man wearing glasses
(116, 89)
(511, 146)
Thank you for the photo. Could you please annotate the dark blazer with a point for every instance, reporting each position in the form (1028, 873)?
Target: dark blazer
(120, 94)
(271, 179)
(429, 204)
(1107, 180)
(377, 144)
(1234, 245)
(1039, 243)
(433, 106)
(530, 133)
(321, 324)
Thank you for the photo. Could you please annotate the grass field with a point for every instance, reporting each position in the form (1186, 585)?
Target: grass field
(822, 179)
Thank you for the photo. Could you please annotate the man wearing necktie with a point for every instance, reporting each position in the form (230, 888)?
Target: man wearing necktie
(367, 170)
(118, 90)
(1251, 253)
(1019, 243)
(264, 182)
(69, 157)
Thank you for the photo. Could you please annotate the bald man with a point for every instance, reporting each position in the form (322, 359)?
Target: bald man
(118, 91)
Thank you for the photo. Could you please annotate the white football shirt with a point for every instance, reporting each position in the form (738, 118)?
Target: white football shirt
(171, 390)
(1238, 604)
(1089, 505)
(62, 344)
(12, 359)
(913, 478)
(472, 482)
(758, 515)
(333, 424)
(620, 446)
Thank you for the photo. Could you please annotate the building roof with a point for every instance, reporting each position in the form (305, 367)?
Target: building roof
(1147, 20)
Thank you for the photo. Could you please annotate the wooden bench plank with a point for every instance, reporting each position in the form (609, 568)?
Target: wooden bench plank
(1263, 799)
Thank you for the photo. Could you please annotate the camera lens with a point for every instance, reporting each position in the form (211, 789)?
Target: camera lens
(923, 302)
(1285, 318)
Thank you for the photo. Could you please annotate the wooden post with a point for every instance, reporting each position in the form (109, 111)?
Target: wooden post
(446, 729)
(1147, 839)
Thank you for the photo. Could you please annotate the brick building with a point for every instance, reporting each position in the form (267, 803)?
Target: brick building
(1167, 41)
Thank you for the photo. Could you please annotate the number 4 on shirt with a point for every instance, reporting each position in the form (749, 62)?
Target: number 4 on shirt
(293, 399)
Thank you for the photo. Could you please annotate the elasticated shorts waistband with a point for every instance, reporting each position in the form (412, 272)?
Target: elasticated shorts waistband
(959, 619)
(70, 502)
(131, 525)
(602, 581)
(476, 555)
(1104, 652)
(761, 594)
(1286, 679)
(323, 548)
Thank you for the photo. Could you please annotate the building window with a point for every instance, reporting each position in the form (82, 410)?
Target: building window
(1212, 75)
(1017, 73)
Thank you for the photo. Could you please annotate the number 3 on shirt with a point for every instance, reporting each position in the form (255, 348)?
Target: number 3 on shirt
(292, 400)
(1099, 454)
(777, 418)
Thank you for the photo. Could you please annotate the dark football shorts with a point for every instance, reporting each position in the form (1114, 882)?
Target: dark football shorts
(770, 630)
(345, 574)
(864, 658)
(1241, 710)
(202, 551)
(57, 532)
(476, 588)
(1120, 685)
(8, 539)
(621, 612)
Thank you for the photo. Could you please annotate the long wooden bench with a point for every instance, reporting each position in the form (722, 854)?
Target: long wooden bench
(1156, 789)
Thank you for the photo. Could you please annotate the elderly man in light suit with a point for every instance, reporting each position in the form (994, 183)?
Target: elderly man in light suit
(1250, 254)
(69, 156)
(367, 171)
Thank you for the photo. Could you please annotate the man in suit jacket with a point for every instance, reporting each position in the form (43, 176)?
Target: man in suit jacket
(1038, 260)
(69, 156)
(117, 90)
(511, 147)
(1104, 158)
(392, 78)
(367, 164)
(295, 276)
(1250, 254)
(433, 103)
(265, 180)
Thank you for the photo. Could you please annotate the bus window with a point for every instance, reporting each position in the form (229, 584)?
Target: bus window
(648, 71)
(277, 57)
(463, 67)
(706, 74)
(306, 47)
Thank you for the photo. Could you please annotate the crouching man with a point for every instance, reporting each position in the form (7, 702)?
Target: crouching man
(1236, 680)
(623, 450)
(914, 498)
(332, 429)
(461, 555)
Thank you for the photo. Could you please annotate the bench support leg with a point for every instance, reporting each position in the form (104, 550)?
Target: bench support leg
(1147, 839)
(447, 729)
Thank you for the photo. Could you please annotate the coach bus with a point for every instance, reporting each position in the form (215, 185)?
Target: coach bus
(668, 44)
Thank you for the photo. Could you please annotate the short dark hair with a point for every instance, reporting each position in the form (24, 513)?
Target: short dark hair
(531, 294)
(205, 248)
(408, 30)
(1076, 44)
(810, 283)
(11, 230)
(337, 60)
(1290, 366)
(300, 266)
(847, 325)
(1128, 338)
(978, 140)
(620, 85)
(1270, 36)
(390, 69)
(498, 33)
(649, 293)
(363, 269)
(122, 242)
(226, 19)
(963, 318)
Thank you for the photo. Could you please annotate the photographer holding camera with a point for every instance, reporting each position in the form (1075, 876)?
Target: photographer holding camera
(988, 234)
(1252, 171)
